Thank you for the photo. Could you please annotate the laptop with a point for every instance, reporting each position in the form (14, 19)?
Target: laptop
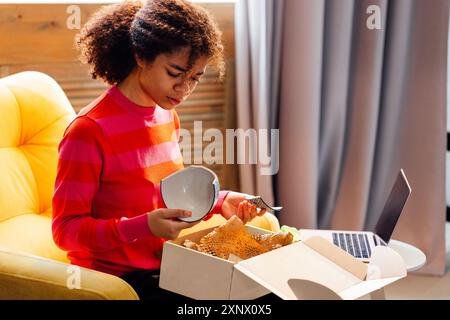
(360, 244)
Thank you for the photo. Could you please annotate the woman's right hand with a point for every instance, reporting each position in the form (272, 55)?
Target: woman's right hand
(163, 222)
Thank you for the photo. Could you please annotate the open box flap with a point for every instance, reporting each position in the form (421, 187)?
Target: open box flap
(318, 270)
(386, 266)
(274, 269)
(366, 287)
(385, 263)
(338, 256)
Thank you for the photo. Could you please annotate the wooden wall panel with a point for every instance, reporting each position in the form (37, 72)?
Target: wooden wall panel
(36, 37)
(38, 33)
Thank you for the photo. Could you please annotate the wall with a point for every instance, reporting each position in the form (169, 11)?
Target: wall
(36, 37)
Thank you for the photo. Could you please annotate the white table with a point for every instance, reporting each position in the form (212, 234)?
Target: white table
(414, 259)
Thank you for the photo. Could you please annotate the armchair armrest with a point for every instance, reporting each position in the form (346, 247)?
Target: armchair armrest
(267, 221)
(25, 276)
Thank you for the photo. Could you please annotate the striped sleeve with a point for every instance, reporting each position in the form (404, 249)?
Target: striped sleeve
(78, 175)
(217, 209)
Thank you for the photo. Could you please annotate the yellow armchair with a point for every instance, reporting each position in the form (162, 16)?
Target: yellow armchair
(34, 112)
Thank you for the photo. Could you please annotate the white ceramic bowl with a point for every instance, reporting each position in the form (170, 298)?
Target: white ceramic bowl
(195, 188)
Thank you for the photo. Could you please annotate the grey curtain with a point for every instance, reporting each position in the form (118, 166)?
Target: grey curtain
(258, 53)
(356, 105)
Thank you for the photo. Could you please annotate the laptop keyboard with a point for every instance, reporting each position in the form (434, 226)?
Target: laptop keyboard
(357, 244)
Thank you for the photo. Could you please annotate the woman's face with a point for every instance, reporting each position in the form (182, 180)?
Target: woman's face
(166, 81)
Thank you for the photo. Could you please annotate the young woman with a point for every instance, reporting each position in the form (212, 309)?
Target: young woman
(108, 213)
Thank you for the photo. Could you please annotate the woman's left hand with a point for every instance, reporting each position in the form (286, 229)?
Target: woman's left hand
(236, 204)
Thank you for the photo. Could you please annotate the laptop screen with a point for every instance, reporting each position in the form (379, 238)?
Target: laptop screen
(393, 207)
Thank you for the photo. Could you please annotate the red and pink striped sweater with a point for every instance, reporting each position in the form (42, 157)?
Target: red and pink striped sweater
(111, 160)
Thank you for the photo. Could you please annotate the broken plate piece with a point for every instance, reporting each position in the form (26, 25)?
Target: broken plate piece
(195, 189)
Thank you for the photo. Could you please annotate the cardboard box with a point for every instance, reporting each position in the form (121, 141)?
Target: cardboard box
(311, 269)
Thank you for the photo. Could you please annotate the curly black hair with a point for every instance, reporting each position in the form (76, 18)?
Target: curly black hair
(116, 33)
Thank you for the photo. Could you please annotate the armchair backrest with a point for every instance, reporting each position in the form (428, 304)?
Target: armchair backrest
(34, 112)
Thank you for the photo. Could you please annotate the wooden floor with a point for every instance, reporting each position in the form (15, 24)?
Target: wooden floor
(418, 287)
